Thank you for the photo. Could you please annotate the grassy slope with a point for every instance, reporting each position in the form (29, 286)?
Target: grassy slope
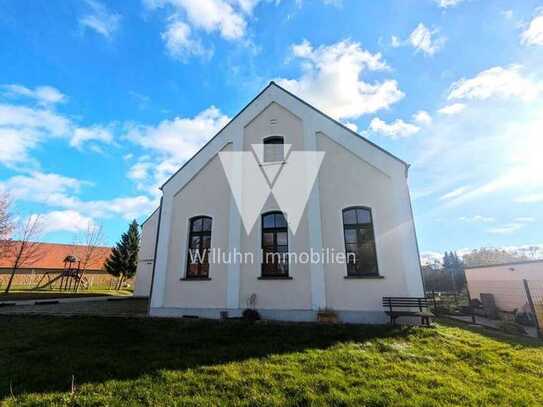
(164, 362)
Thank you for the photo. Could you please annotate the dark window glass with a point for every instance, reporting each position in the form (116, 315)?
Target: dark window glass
(274, 149)
(349, 217)
(199, 245)
(363, 216)
(359, 242)
(274, 245)
(206, 224)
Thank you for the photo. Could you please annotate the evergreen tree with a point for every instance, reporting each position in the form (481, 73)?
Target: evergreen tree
(123, 260)
(454, 268)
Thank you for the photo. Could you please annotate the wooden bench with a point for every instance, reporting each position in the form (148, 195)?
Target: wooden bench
(422, 304)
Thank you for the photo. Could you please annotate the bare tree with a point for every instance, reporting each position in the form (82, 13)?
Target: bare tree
(87, 250)
(24, 250)
(6, 225)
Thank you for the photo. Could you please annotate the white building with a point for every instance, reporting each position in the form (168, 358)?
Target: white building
(506, 283)
(358, 207)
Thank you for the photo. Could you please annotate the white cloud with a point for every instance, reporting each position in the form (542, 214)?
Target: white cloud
(226, 17)
(82, 135)
(455, 193)
(506, 229)
(395, 129)
(533, 35)
(477, 219)
(423, 39)
(16, 144)
(422, 117)
(524, 219)
(351, 126)
(21, 117)
(43, 95)
(65, 221)
(181, 137)
(508, 14)
(429, 258)
(452, 109)
(507, 146)
(23, 128)
(50, 189)
(448, 3)
(395, 42)
(58, 191)
(179, 42)
(173, 142)
(497, 82)
(125, 207)
(530, 198)
(331, 79)
(247, 6)
(100, 19)
(139, 171)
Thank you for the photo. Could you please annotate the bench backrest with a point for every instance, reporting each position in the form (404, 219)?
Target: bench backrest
(406, 302)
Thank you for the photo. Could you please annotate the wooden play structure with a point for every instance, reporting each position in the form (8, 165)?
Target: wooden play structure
(70, 279)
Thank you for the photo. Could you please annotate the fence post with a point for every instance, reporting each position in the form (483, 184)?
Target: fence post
(532, 307)
(434, 299)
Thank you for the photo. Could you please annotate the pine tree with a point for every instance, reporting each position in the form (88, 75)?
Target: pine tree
(123, 260)
(448, 266)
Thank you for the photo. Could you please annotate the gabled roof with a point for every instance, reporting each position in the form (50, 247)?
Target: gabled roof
(272, 83)
(52, 255)
(149, 217)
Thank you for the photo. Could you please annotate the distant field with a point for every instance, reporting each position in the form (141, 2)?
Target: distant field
(153, 362)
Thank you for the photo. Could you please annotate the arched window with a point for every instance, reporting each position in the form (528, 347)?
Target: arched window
(359, 242)
(274, 245)
(199, 245)
(274, 149)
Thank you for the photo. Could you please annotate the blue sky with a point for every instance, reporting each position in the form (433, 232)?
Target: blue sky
(100, 101)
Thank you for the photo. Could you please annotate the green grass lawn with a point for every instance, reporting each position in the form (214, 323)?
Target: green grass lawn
(26, 294)
(163, 362)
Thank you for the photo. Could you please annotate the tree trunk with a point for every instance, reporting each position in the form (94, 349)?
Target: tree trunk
(11, 277)
(120, 284)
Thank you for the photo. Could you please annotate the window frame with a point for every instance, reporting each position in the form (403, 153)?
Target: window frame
(274, 230)
(357, 227)
(272, 140)
(201, 234)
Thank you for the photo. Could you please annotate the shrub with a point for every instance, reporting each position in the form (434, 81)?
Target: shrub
(250, 315)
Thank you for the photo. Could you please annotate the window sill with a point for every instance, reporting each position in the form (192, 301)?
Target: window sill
(195, 279)
(267, 163)
(275, 278)
(364, 277)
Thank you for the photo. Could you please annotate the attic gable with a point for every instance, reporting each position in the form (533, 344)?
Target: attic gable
(274, 93)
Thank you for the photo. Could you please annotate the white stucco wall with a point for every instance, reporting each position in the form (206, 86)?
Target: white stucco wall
(206, 194)
(354, 172)
(292, 294)
(146, 256)
(345, 181)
